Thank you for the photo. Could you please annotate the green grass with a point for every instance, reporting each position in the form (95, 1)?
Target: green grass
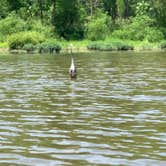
(138, 45)
(4, 45)
(109, 44)
(74, 43)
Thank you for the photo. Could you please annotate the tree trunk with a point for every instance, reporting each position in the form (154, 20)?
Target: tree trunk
(91, 8)
(41, 10)
(53, 12)
(114, 10)
(126, 11)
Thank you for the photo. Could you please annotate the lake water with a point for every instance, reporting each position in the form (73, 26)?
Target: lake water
(114, 113)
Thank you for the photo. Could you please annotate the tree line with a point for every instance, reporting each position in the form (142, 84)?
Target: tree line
(91, 19)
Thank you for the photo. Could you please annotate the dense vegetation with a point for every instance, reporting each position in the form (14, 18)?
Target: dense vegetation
(105, 25)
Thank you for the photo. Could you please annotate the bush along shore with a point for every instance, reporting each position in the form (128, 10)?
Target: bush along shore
(17, 35)
(35, 42)
(51, 27)
(27, 44)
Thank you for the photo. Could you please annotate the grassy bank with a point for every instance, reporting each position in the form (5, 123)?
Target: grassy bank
(55, 46)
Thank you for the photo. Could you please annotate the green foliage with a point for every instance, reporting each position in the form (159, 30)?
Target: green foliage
(123, 46)
(11, 24)
(163, 45)
(119, 23)
(94, 46)
(141, 28)
(109, 46)
(36, 10)
(135, 20)
(15, 5)
(154, 35)
(110, 7)
(159, 11)
(20, 39)
(4, 8)
(97, 28)
(49, 46)
(142, 8)
(67, 20)
(121, 7)
(29, 47)
(4, 45)
(46, 30)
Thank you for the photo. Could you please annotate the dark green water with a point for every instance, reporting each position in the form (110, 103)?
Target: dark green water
(113, 114)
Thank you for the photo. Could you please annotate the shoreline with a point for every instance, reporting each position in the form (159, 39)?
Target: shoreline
(83, 46)
(80, 50)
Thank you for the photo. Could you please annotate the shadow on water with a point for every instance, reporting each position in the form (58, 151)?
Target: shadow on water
(112, 114)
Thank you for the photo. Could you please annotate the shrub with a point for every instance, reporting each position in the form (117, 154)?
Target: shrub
(11, 24)
(97, 28)
(143, 8)
(36, 25)
(49, 46)
(29, 47)
(4, 45)
(106, 47)
(163, 45)
(19, 40)
(120, 34)
(68, 20)
(123, 46)
(141, 28)
(154, 35)
(120, 23)
(102, 46)
(94, 46)
(163, 30)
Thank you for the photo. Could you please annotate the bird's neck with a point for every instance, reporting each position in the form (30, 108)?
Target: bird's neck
(72, 64)
(72, 61)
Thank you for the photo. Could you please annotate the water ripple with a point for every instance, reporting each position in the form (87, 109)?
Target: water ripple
(113, 114)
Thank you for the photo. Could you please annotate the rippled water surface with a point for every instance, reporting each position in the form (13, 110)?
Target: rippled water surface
(113, 114)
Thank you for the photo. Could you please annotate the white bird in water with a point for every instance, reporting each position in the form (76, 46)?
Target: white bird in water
(72, 69)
